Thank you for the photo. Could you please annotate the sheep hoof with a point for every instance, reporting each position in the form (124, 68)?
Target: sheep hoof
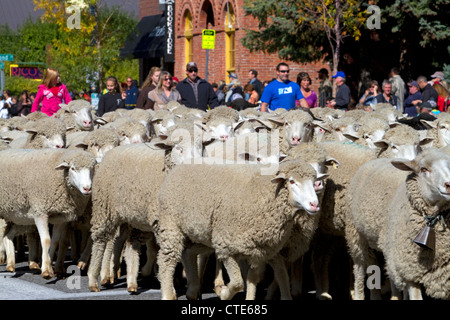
(33, 265)
(325, 296)
(10, 268)
(2, 259)
(94, 289)
(82, 265)
(105, 282)
(132, 289)
(47, 274)
(218, 289)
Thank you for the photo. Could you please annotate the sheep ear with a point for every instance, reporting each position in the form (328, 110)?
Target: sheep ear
(330, 161)
(351, 136)
(425, 141)
(81, 146)
(100, 121)
(382, 144)
(404, 165)
(322, 176)
(281, 157)
(62, 166)
(428, 124)
(279, 178)
(322, 125)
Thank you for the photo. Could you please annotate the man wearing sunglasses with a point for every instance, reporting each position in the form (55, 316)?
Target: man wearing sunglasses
(282, 92)
(196, 92)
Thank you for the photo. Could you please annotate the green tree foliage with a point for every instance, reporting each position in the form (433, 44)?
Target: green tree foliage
(303, 30)
(88, 51)
(421, 26)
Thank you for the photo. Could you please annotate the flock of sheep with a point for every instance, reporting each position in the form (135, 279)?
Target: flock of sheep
(245, 188)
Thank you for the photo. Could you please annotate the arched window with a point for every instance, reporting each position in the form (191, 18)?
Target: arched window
(230, 21)
(188, 44)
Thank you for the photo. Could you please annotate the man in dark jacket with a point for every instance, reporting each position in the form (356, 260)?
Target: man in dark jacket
(196, 92)
(428, 92)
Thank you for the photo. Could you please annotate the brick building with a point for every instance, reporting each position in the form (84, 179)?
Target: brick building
(228, 19)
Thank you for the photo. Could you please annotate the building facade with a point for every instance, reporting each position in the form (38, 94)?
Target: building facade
(227, 18)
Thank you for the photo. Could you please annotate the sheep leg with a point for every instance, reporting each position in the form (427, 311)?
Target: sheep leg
(171, 242)
(98, 249)
(297, 277)
(190, 264)
(3, 226)
(118, 246)
(105, 273)
(151, 251)
(63, 246)
(414, 291)
(132, 248)
(58, 230)
(252, 282)
(33, 250)
(281, 276)
(8, 242)
(236, 283)
(218, 280)
(321, 255)
(41, 222)
(84, 258)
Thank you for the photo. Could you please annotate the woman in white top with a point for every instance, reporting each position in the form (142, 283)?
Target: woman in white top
(164, 92)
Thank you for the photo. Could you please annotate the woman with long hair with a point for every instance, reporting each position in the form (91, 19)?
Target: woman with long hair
(149, 84)
(164, 92)
(51, 92)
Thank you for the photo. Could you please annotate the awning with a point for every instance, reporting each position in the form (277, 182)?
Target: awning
(148, 40)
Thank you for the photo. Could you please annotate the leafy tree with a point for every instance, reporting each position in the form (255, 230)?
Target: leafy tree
(90, 35)
(422, 27)
(303, 30)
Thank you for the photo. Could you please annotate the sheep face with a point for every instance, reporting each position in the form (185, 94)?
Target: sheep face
(220, 129)
(79, 177)
(432, 168)
(296, 132)
(100, 151)
(134, 133)
(372, 137)
(161, 125)
(444, 132)
(55, 141)
(83, 119)
(299, 180)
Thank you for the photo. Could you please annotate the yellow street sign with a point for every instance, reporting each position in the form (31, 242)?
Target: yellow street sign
(208, 38)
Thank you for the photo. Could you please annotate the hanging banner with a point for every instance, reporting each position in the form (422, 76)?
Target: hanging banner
(169, 54)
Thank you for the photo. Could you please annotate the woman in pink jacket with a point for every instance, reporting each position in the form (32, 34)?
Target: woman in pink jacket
(51, 93)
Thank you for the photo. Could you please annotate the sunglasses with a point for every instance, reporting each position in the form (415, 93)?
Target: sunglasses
(284, 71)
(167, 79)
(193, 70)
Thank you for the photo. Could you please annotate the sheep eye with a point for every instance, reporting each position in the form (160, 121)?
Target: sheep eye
(424, 170)
(258, 159)
(337, 129)
(291, 181)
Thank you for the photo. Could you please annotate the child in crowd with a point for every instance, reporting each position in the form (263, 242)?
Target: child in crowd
(51, 93)
(114, 97)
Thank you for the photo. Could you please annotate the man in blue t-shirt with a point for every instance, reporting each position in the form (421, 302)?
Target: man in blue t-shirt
(281, 92)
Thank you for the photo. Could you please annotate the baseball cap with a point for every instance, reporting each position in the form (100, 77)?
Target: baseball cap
(438, 74)
(426, 105)
(339, 74)
(191, 65)
(233, 75)
(413, 83)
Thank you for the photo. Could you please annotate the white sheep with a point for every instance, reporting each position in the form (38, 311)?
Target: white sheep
(239, 214)
(127, 194)
(76, 115)
(383, 199)
(43, 133)
(57, 191)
